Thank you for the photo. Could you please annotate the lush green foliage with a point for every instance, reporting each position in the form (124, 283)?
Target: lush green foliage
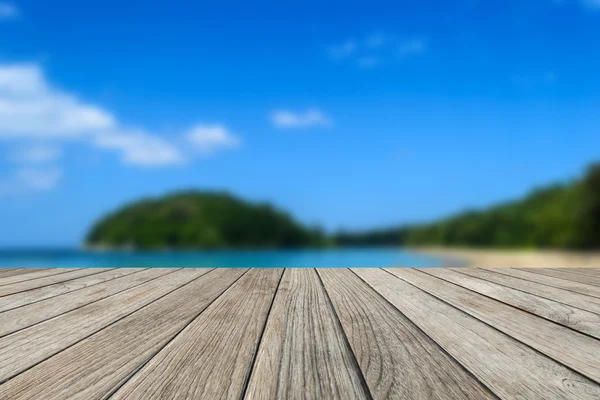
(562, 216)
(201, 220)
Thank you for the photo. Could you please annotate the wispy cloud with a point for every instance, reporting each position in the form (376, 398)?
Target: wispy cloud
(140, 148)
(30, 180)
(376, 40)
(33, 110)
(594, 4)
(375, 49)
(344, 50)
(368, 62)
(289, 119)
(208, 139)
(8, 11)
(35, 154)
(412, 47)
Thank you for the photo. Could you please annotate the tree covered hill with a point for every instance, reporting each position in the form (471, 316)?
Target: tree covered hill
(565, 216)
(193, 220)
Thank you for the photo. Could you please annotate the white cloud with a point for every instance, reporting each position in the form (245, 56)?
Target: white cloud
(36, 154)
(368, 62)
(140, 148)
(34, 111)
(343, 50)
(289, 119)
(376, 40)
(209, 138)
(377, 48)
(412, 47)
(29, 180)
(30, 108)
(8, 11)
(39, 179)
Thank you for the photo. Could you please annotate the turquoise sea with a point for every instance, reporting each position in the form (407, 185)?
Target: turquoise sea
(353, 258)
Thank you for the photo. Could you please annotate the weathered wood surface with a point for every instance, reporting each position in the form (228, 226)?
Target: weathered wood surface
(95, 367)
(506, 366)
(34, 274)
(30, 314)
(27, 347)
(299, 333)
(567, 346)
(561, 313)
(399, 361)
(41, 293)
(212, 356)
(517, 281)
(567, 275)
(6, 272)
(22, 286)
(303, 349)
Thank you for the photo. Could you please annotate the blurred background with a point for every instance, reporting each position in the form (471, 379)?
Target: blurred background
(180, 125)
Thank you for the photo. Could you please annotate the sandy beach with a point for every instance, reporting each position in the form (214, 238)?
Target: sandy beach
(461, 257)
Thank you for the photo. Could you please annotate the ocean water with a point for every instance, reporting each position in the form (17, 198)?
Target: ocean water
(351, 258)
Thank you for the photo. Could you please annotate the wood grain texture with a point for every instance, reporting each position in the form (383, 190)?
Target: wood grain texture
(303, 349)
(580, 352)
(30, 346)
(509, 368)
(584, 302)
(48, 280)
(31, 314)
(42, 293)
(567, 275)
(6, 272)
(212, 356)
(398, 360)
(35, 274)
(564, 314)
(584, 271)
(95, 367)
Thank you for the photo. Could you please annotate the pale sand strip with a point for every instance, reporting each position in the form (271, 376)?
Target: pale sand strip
(512, 258)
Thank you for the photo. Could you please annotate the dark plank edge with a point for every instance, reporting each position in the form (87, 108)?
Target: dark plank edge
(498, 330)
(104, 327)
(87, 304)
(336, 318)
(139, 367)
(418, 328)
(137, 271)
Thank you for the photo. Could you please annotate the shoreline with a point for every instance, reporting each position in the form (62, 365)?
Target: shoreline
(494, 258)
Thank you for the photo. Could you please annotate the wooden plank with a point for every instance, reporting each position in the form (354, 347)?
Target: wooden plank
(28, 347)
(559, 312)
(303, 349)
(31, 314)
(95, 367)
(580, 352)
(567, 275)
(581, 288)
(46, 292)
(35, 274)
(6, 272)
(398, 360)
(509, 368)
(48, 280)
(584, 302)
(211, 357)
(582, 271)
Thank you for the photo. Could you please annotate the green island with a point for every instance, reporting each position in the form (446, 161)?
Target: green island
(562, 216)
(192, 220)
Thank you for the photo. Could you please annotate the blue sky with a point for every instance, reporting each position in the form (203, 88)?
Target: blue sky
(348, 115)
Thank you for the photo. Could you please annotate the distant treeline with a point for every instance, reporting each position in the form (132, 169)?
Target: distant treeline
(565, 216)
